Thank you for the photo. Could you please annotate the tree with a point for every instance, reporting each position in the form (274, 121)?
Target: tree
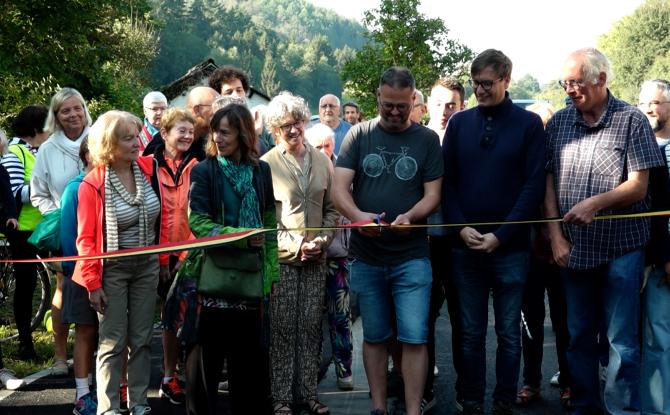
(269, 82)
(553, 93)
(399, 35)
(524, 88)
(102, 48)
(634, 44)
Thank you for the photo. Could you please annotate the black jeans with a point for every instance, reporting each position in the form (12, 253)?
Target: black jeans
(235, 336)
(443, 287)
(25, 276)
(544, 275)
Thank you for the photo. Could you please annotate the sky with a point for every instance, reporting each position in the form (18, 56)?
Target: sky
(537, 35)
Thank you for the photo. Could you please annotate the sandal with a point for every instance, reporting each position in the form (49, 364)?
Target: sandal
(59, 368)
(527, 394)
(281, 408)
(317, 408)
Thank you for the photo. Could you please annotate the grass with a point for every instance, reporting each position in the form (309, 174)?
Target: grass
(43, 347)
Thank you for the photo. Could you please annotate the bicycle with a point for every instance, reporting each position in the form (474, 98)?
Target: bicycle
(41, 295)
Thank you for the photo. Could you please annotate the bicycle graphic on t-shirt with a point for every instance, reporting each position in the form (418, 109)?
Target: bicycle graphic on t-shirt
(404, 166)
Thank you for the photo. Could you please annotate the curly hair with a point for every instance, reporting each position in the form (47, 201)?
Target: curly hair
(282, 106)
(174, 115)
(225, 74)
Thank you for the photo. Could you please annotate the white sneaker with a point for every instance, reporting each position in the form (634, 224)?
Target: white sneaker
(223, 387)
(436, 371)
(346, 383)
(554, 379)
(10, 381)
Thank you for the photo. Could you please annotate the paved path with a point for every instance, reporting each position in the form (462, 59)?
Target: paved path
(54, 396)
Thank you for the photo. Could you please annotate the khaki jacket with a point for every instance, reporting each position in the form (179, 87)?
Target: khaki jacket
(298, 208)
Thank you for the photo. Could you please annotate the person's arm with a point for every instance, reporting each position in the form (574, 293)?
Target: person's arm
(87, 236)
(16, 172)
(424, 207)
(532, 193)
(560, 246)
(630, 191)
(330, 214)
(40, 194)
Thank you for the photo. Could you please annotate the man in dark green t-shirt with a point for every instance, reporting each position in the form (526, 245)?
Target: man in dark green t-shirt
(394, 170)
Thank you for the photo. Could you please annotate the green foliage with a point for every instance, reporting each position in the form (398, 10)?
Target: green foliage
(399, 35)
(103, 48)
(552, 93)
(524, 88)
(279, 47)
(634, 44)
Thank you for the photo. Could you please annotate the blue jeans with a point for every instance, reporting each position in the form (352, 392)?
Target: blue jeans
(475, 273)
(406, 287)
(655, 377)
(605, 298)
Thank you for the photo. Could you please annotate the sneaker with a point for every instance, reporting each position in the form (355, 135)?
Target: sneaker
(346, 383)
(10, 381)
(140, 410)
(427, 403)
(86, 405)
(526, 395)
(123, 398)
(223, 387)
(554, 379)
(472, 408)
(436, 371)
(172, 391)
(502, 408)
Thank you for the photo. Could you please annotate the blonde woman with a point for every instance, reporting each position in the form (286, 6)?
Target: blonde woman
(56, 164)
(119, 207)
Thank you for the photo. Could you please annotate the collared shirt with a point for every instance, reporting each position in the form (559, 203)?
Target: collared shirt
(588, 160)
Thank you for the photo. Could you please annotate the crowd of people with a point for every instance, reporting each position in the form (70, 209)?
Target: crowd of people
(218, 167)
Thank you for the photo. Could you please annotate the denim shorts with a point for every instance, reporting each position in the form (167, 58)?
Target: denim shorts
(406, 287)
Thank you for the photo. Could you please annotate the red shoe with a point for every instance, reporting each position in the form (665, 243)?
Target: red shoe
(172, 391)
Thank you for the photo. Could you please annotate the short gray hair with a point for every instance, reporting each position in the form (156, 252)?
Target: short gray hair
(330, 95)
(285, 105)
(595, 63)
(319, 132)
(51, 124)
(419, 97)
(224, 100)
(658, 84)
(154, 96)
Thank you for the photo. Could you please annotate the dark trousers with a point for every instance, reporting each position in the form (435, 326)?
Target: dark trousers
(26, 281)
(235, 336)
(440, 251)
(544, 275)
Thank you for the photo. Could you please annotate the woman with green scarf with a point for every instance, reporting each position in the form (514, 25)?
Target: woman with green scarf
(231, 190)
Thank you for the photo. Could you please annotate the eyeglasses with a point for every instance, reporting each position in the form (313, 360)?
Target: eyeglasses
(571, 83)
(651, 104)
(486, 85)
(387, 106)
(324, 106)
(156, 109)
(286, 128)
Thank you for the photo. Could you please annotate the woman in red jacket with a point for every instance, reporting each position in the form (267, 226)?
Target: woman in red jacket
(119, 207)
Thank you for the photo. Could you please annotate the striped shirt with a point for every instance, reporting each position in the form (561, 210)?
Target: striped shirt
(16, 169)
(128, 217)
(587, 160)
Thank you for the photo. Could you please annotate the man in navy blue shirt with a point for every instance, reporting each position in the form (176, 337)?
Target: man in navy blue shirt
(494, 172)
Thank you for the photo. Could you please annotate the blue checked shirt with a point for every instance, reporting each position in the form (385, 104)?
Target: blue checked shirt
(590, 160)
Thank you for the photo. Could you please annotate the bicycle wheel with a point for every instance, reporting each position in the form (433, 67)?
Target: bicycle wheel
(40, 299)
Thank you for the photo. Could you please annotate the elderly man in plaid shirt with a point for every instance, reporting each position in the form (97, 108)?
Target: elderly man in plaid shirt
(599, 153)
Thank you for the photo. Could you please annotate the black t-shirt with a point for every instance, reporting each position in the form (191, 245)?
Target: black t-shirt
(391, 169)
